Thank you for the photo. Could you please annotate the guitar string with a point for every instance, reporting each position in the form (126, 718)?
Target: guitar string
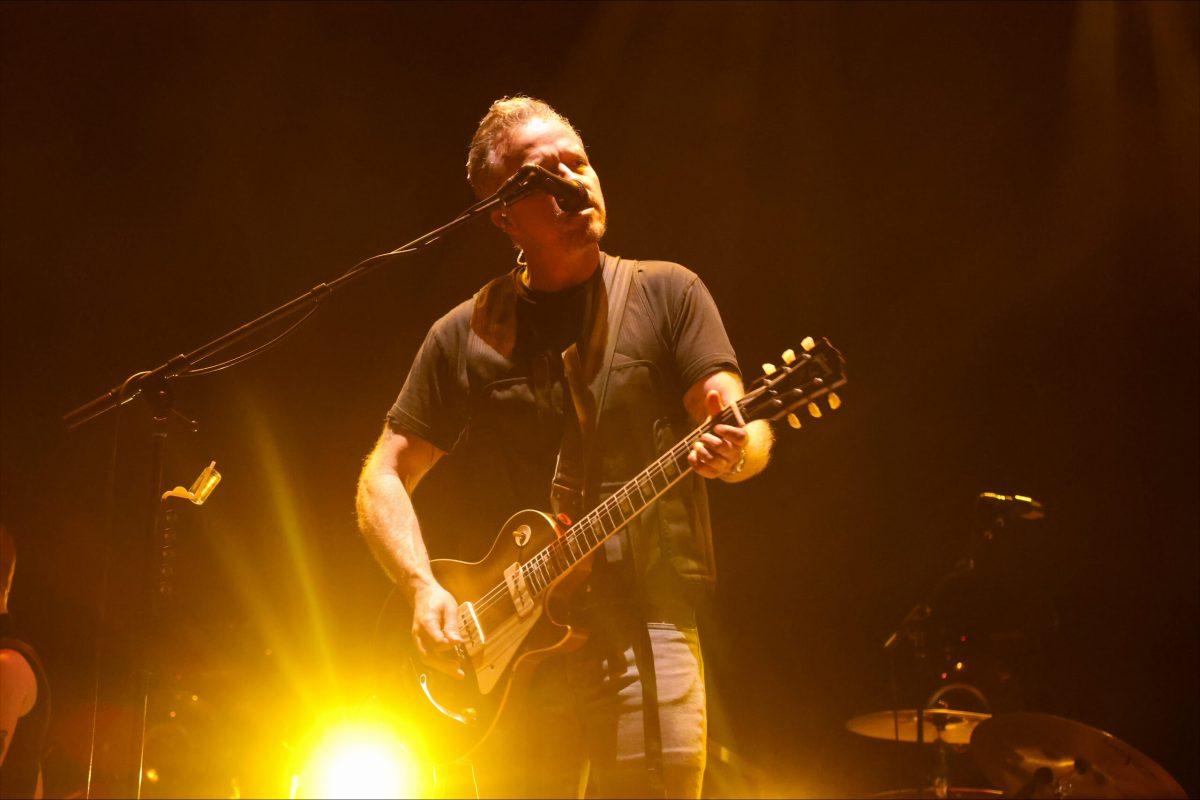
(577, 532)
(549, 554)
(546, 554)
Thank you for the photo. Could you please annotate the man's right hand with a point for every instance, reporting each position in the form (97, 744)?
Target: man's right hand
(435, 627)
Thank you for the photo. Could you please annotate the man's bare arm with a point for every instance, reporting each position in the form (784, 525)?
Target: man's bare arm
(385, 511)
(388, 522)
(18, 693)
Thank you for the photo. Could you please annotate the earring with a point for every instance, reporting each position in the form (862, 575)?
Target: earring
(521, 262)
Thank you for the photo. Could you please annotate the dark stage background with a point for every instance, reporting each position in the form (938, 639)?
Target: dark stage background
(991, 209)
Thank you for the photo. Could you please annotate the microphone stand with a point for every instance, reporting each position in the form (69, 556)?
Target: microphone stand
(155, 385)
(924, 608)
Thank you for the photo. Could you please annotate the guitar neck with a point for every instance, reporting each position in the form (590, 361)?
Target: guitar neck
(805, 378)
(590, 531)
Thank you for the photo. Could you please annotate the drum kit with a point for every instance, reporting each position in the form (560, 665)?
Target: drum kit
(1030, 755)
(1020, 754)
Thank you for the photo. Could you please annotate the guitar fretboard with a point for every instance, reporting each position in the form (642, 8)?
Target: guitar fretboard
(606, 519)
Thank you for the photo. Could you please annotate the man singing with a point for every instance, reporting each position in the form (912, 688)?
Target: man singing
(625, 714)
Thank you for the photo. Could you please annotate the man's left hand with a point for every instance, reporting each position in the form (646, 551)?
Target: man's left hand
(718, 454)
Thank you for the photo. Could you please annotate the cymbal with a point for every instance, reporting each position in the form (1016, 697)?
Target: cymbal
(953, 792)
(946, 724)
(1041, 755)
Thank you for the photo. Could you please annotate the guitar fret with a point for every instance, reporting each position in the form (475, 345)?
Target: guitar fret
(592, 529)
(608, 511)
(645, 479)
(624, 496)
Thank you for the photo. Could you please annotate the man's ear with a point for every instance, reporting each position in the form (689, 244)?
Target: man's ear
(500, 219)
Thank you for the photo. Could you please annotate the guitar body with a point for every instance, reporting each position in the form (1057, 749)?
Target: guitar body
(507, 638)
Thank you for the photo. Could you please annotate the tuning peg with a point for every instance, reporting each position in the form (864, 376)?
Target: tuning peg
(769, 368)
(794, 421)
(814, 410)
(808, 344)
(789, 356)
(835, 402)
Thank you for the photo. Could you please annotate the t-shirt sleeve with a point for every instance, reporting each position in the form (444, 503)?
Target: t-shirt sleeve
(701, 345)
(432, 402)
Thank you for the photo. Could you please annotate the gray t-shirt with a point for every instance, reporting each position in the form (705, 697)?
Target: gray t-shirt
(502, 423)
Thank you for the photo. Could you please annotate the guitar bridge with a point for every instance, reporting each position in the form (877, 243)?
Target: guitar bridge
(518, 590)
(468, 623)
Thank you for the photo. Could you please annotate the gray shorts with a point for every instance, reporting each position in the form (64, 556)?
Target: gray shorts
(583, 734)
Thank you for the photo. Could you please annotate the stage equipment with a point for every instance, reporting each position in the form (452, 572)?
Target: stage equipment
(507, 601)
(571, 196)
(155, 385)
(1041, 755)
(1000, 508)
(1016, 504)
(946, 725)
(201, 489)
(953, 792)
(949, 726)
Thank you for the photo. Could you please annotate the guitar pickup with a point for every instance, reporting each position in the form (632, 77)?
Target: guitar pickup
(518, 590)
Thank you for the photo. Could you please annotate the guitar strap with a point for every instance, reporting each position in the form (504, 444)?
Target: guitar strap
(575, 486)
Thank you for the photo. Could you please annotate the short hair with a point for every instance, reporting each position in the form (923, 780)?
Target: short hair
(503, 115)
(8, 558)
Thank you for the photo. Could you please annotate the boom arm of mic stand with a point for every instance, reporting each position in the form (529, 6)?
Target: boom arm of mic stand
(963, 567)
(183, 363)
(923, 608)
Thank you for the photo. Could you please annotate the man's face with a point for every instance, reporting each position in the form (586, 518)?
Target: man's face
(535, 222)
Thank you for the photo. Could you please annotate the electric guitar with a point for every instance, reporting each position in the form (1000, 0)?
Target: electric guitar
(507, 599)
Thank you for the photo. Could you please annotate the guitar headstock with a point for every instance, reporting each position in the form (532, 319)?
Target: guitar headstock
(803, 384)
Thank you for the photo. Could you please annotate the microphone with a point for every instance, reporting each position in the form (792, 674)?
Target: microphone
(570, 195)
(1018, 504)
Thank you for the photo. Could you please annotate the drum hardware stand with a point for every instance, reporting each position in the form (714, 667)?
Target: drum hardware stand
(1000, 508)
(155, 386)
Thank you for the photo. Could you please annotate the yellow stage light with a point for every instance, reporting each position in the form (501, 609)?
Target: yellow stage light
(359, 759)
